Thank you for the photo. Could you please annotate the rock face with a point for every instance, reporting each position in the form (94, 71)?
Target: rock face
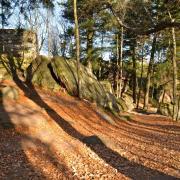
(20, 44)
(167, 110)
(166, 106)
(57, 73)
(91, 89)
(4, 73)
(8, 92)
(39, 73)
(126, 103)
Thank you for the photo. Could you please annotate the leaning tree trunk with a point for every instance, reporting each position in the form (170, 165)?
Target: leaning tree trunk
(77, 48)
(149, 73)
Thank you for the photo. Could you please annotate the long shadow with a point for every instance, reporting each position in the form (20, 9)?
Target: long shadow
(14, 163)
(149, 136)
(134, 170)
(10, 149)
(5, 120)
(164, 127)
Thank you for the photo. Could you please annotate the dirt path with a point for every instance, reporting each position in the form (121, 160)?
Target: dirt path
(59, 137)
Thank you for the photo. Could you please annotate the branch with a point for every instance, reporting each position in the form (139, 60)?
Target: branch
(139, 31)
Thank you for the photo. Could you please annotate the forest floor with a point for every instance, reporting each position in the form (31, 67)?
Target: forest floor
(44, 135)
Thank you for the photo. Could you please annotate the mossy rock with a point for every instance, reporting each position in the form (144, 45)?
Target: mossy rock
(4, 74)
(91, 88)
(8, 92)
(39, 73)
(166, 109)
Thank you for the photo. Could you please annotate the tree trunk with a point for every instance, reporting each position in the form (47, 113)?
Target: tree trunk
(134, 72)
(125, 84)
(2, 12)
(148, 78)
(48, 31)
(117, 59)
(77, 48)
(121, 64)
(174, 75)
(90, 35)
(2, 24)
(178, 110)
(141, 80)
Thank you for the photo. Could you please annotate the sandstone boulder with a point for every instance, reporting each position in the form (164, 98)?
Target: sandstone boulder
(9, 92)
(91, 89)
(39, 73)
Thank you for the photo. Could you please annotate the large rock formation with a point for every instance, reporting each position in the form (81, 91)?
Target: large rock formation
(20, 44)
(167, 109)
(166, 105)
(8, 92)
(91, 89)
(39, 73)
(58, 72)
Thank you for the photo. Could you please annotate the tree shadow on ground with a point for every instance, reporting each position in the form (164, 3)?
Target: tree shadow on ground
(14, 163)
(5, 120)
(129, 169)
(163, 127)
(10, 149)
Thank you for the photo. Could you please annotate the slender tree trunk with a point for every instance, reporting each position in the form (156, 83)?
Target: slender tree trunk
(174, 75)
(141, 80)
(48, 31)
(178, 110)
(125, 84)
(117, 59)
(77, 48)
(2, 12)
(102, 44)
(148, 78)
(2, 24)
(121, 63)
(134, 72)
(152, 92)
(90, 34)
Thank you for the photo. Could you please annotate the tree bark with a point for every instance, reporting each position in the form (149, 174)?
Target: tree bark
(178, 110)
(149, 73)
(134, 72)
(77, 48)
(117, 59)
(90, 35)
(142, 70)
(121, 63)
(141, 30)
(174, 75)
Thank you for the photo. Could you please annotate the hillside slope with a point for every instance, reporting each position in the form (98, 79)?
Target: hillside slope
(56, 136)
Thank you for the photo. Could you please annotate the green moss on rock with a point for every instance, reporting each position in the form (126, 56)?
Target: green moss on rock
(39, 73)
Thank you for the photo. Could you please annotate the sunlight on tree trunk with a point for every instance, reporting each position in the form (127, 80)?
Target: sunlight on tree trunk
(134, 71)
(77, 48)
(141, 80)
(149, 73)
(174, 75)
